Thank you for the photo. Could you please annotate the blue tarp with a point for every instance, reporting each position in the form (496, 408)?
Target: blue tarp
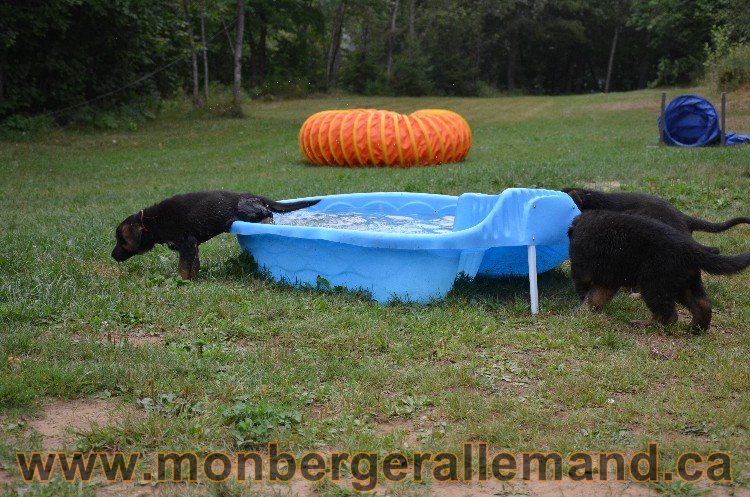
(691, 121)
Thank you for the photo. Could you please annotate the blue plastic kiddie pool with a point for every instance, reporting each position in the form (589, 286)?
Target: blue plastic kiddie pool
(412, 246)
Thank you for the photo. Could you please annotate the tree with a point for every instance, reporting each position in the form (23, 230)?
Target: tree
(205, 52)
(391, 40)
(334, 53)
(89, 54)
(197, 99)
(237, 82)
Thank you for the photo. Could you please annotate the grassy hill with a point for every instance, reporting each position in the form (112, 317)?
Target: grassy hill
(168, 356)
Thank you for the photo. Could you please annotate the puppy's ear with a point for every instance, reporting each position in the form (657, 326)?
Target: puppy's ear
(133, 235)
(577, 196)
(253, 211)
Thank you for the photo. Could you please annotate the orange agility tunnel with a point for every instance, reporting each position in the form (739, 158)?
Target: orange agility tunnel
(369, 137)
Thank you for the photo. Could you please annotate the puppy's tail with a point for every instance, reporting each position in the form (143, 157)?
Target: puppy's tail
(720, 264)
(291, 206)
(696, 224)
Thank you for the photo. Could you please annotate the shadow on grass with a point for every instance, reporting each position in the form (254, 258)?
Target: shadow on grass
(236, 268)
(555, 287)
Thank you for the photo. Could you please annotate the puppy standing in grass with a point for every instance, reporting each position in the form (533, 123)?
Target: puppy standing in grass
(649, 206)
(609, 250)
(185, 221)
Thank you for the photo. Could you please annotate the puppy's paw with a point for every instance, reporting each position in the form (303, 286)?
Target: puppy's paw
(697, 329)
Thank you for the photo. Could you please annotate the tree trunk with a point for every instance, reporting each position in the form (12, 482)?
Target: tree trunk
(365, 39)
(229, 38)
(644, 65)
(2, 77)
(205, 52)
(412, 11)
(611, 59)
(258, 55)
(262, 55)
(391, 41)
(334, 51)
(510, 74)
(197, 101)
(237, 83)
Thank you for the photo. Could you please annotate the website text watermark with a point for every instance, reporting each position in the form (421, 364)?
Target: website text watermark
(366, 470)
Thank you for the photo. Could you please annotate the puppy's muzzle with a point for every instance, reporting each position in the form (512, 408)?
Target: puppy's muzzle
(120, 255)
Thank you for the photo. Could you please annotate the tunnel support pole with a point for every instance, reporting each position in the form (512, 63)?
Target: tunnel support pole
(723, 118)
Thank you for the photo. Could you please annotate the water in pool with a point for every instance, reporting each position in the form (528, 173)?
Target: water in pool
(390, 223)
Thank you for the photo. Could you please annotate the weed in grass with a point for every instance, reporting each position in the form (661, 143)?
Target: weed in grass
(678, 489)
(53, 488)
(408, 406)
(171, 404)
(256, 424)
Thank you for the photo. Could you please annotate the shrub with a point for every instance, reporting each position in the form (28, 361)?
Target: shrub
(24, 124)
(732, 71)
(411, 72)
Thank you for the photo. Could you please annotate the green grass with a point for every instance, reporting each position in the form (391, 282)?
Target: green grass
(475, 366)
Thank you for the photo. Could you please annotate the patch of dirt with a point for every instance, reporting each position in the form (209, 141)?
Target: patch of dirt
(137, 337)
(628, 105)
(6, 478)
(61, 418)
(588, 489)
(295, 488)
(424, 423)
(406, 427)
(104, 269)
(132, 490)
(604, 186)
(660, 346)
(541, 489)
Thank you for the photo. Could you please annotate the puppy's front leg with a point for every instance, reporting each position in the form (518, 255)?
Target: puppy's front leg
(189, 260)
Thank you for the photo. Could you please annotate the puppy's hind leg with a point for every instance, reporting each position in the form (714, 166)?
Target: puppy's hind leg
(189, 260)
(582, 288)
(661, 303)
(695, 299)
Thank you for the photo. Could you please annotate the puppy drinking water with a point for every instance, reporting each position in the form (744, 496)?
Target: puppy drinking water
(185, 221)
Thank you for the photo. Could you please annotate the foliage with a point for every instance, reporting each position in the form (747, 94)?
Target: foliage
(728, 56)
(411, 72)
(256, 423)
(113, 62)
(732, 71)
(61, 53)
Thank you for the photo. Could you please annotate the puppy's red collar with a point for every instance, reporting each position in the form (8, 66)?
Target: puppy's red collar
(143, 225)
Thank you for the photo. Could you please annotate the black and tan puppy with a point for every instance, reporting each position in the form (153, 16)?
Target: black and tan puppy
(185, 221)
(647, 205)
(609, 250)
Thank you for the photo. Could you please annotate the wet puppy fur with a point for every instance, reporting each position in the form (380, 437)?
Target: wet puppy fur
(610, 250)
(648, 206)
(185, 221)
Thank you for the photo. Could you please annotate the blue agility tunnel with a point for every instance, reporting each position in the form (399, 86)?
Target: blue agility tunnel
(692, 121)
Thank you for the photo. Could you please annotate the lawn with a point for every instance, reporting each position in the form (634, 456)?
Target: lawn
(170, 361)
